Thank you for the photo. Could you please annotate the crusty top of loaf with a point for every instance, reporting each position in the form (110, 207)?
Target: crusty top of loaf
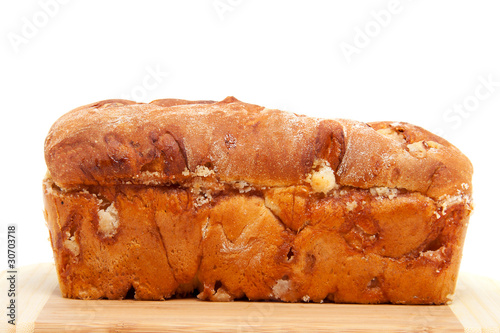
(172, 141)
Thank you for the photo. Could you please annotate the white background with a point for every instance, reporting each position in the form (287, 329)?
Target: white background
(424, 62)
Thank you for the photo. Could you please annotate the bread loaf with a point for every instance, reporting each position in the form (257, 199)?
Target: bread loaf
(231, 200)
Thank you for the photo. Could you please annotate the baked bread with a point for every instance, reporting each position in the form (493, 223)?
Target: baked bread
(231, 200)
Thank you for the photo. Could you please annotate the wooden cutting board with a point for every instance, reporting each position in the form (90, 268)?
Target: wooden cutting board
(41, 308)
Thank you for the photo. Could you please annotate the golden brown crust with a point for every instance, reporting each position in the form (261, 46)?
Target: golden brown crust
(401, 155)
(283, 243)
(234, 200)
(116, 142)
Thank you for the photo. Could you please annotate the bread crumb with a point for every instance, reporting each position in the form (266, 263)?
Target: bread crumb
(436, 256)
(434, 144)
(384, 192)
(351, 205)
(108, 221)
(149, 174)
(306, 298)
(150, 178)
(322, 178)
(221, 295)
(151, 182)
(202, 171)
(71, 244)
(88, 293)
(48, 186)
(447, 201)
(204, 230)
(203, 190)
(417, 149)
(203, 198)
(242, 186)
(393, 134)
(281, 288)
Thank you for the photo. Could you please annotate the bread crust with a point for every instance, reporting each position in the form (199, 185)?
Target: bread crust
(282, 243)
(164, 142)
(233, 200)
